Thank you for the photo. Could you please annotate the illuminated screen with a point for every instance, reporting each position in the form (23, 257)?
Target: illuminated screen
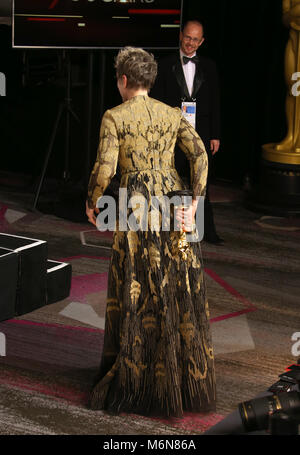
(96, 23)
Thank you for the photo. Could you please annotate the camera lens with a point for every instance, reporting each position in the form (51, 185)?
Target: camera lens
(283, 424)
(255, 413)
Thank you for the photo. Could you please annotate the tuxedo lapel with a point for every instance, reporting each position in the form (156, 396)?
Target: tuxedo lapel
(198, 80)
(179, 75)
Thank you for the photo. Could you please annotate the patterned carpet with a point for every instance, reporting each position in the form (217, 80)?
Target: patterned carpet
(52, 354)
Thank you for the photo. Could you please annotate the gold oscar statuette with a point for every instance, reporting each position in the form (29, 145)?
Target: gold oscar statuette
(184, 198)
(288, 150)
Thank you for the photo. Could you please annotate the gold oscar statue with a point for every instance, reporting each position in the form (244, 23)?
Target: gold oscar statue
(288, 150)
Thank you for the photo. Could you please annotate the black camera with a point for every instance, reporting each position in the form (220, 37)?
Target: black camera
(278, 412)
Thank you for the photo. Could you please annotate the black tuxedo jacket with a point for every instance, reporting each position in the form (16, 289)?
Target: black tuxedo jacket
(170, 87)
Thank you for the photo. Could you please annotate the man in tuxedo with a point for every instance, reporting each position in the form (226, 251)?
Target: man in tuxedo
(187, 77)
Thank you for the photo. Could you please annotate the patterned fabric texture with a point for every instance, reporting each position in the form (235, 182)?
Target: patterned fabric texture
(157, 357)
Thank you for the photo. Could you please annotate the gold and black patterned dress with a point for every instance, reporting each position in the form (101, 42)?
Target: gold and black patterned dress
(157, 357)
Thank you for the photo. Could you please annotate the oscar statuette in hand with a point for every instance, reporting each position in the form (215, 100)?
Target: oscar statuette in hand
(182, 202)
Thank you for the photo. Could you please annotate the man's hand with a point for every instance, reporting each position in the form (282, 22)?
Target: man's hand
(214, 146)
(90, 213)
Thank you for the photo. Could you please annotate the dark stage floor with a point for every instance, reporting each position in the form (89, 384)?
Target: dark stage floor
(53, 353)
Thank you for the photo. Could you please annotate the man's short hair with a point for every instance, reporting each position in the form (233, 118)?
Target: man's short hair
(192, 21)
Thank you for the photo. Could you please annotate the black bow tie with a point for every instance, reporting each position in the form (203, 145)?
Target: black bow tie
(194, 59)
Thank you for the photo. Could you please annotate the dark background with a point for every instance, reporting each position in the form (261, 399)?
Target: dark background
(247, 41)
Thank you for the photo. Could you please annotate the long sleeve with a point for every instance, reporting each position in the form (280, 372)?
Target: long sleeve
(192, 145)
(106, 160)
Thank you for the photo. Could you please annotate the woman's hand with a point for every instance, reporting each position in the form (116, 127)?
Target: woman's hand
(90, 213)
(186, 217)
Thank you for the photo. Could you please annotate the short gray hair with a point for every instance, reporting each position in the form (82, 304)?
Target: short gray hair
(138, 66)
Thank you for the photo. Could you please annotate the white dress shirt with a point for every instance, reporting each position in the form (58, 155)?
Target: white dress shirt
(189, 70)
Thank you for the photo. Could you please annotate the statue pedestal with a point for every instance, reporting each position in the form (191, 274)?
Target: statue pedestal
(278, 191)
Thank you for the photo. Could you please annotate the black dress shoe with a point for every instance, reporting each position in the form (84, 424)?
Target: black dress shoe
(216, 240)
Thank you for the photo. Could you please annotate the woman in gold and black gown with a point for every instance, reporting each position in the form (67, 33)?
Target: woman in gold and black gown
(157, 357)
